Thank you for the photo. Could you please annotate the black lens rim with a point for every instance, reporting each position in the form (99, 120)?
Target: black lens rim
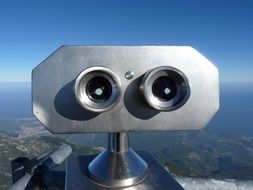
(99, 82)
(159, 86)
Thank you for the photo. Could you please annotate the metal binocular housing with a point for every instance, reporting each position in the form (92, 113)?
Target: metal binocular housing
(80, 89)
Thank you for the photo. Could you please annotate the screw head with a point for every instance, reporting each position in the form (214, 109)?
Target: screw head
(129, 75)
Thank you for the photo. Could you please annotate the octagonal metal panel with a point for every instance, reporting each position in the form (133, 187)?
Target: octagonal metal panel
(56, 107)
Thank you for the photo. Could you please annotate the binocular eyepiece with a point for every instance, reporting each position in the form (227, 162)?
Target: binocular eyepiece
(97, 89)
(165, 88)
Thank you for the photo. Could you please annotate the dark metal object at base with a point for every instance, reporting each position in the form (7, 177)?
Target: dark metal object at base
(38, 172)
(19, 167)
(77, 175)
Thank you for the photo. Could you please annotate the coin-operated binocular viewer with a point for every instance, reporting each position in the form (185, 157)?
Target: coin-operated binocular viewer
(117, 89)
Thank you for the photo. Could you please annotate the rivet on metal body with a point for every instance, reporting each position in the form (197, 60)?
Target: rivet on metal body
(129, 75)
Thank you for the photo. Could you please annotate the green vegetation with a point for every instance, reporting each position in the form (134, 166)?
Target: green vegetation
(191, 154)
(210, 156)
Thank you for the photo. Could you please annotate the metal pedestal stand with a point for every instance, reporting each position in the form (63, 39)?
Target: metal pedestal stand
(117, 167)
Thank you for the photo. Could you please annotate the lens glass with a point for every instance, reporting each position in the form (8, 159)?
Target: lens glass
(99, 89)
(164, 88)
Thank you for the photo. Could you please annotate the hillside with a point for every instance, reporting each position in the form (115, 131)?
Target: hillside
(188, 154)
(11, 148)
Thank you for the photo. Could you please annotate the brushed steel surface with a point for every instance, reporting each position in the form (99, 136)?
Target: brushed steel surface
(56, 107)
(118, 166)
(77, 176)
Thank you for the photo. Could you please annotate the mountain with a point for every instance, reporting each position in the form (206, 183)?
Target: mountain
(209, 156)
(191, 154)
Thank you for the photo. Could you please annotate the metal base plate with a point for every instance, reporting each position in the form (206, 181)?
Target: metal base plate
(77, 177)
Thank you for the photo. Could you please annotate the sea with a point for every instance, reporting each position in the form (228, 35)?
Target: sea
(235, 115)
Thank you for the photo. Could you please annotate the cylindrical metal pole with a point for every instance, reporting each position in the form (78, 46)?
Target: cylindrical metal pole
(118, 142)
(118, 166)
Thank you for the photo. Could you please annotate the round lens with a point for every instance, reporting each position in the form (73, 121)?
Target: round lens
(99, 89)
(164, 88)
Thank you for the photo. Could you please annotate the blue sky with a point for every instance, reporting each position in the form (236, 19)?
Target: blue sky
(221, 30)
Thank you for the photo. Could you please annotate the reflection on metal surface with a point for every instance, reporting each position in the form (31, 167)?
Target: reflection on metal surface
(118, 142)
